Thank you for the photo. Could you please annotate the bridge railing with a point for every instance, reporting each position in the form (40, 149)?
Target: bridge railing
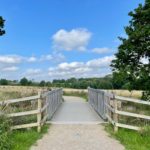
(36, 109)
(109, 106)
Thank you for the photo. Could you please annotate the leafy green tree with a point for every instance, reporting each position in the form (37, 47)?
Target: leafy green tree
(133, 57)
(42, 83)
(3, 82)
(24, 81)
(2, 26)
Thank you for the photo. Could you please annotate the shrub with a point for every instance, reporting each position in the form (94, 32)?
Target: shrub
(5, 143)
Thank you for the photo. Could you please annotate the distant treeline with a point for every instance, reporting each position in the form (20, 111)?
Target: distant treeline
(107, 82)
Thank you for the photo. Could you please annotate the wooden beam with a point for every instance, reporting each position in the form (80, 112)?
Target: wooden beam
(132, 114)
(24, 126)
(32, 112)
(120, 98)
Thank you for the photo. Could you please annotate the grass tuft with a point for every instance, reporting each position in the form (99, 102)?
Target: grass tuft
(132, 140)
(24, 139)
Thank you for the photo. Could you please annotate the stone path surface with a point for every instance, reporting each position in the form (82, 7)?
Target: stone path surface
(76, 126)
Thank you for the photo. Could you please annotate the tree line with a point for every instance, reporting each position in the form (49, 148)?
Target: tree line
(107, 82)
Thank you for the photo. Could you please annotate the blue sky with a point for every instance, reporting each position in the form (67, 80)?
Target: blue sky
(47, 39)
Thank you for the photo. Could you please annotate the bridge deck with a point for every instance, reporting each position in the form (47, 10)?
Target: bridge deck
(75, 110)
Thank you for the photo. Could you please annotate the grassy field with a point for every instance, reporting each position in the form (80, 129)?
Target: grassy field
(10, 92)
(132, 140)
(24, 139)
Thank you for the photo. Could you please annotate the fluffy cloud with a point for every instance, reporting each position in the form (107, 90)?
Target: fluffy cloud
(55, 57)
(12, 68)
(101, 50)
(93, 68)
(76, 39)
(10, 59)
(31, 59)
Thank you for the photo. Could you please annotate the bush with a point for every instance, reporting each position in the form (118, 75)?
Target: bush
(5, 143)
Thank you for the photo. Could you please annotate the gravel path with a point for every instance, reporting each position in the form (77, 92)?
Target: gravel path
(76, 126)
(77, 137)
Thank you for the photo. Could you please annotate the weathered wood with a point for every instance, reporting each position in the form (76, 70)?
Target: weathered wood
(132, 114)
(120, 98)
(39, 115)
(19, 100)
(32, 112)
(25, 126)
(115, 115)
(127, 126)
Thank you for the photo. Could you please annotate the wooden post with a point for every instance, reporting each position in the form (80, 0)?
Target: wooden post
(115, 116)
(39, 115)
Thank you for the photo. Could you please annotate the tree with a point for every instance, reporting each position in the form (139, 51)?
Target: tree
(2, 26)
(133, 57)
(42, 83)
(3, 82)
(24, 81)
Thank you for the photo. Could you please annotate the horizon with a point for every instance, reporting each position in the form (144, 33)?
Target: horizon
(60, 40)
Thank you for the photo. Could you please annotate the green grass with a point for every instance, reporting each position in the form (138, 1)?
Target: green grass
(24, 139)
(81, 94)
(132, 140)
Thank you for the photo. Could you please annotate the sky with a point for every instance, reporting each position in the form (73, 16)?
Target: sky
(60, 39)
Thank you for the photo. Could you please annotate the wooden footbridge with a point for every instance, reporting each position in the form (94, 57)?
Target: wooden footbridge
(52, 107)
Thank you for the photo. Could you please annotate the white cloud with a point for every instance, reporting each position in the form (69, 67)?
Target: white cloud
(31, 72)
(92, 68)
(76, 39)
(12, 68)
(10, 59)
(55, 57)
(101, 50)
(31, 59)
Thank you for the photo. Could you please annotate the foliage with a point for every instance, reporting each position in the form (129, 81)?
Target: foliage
(5, 142)
(81, 94)
(3, 82)
(132, 140)
(2, 26)
(133, 58)
(24, 81)
(23, 139)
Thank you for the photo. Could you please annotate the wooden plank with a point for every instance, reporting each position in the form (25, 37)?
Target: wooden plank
(115, 115)
(39, 115)
(19, 100)
(110, 119)
(127, 126)
(132, 100)
(44, 120)
(32, 112)
(44, 107)
(24, 126)
(132, 114)
(110, 108)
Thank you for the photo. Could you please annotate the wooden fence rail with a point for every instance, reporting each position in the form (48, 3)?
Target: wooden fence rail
(112, 106)
(45, 100)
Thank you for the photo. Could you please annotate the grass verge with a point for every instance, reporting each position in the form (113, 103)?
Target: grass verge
(81, 94)
(23, 139)
(132, 140)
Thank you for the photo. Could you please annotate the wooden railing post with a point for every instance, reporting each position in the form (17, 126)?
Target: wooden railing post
(115, 115)
(39, 115)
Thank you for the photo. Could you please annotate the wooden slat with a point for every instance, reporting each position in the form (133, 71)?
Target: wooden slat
(110, 120)
(132, 114)
(24, 126)
(32, 112)
(44, 120)
(44, 107)
(132, 100)
(19, 100)
(127, 126)
(110, 108)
